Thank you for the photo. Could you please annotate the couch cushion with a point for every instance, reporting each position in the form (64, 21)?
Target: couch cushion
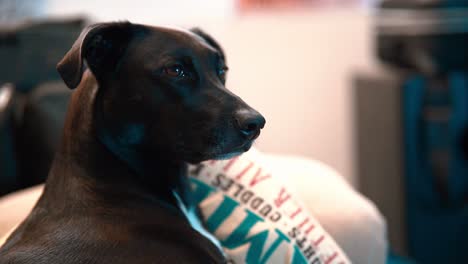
(351, 219)
(18, 205)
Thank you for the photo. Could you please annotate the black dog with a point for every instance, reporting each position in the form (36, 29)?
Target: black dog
(148, 101)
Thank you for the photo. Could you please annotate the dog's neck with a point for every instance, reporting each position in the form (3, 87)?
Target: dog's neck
(83, 157)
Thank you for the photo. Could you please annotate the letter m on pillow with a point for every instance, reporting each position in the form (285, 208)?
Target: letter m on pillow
(239, 238)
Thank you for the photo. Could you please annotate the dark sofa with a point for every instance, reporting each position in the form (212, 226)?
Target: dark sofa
(33, 99)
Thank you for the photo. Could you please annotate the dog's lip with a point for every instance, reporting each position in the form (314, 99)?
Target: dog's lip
(248, 145)
(257, 134)
(243, 147)
(236, 151)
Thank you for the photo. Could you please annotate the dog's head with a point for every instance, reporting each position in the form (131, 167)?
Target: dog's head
(161, 92)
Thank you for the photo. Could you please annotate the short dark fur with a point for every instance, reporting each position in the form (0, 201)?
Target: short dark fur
(133, 123)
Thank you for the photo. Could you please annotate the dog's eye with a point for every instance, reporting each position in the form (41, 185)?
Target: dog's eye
(222, 72)
(175, 71)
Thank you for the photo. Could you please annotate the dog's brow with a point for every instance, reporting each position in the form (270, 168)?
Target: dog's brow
(183, 53)
(220, 58)
(207, 46)
(176, 57)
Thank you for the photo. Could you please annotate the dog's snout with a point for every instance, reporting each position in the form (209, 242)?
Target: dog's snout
(250, 122)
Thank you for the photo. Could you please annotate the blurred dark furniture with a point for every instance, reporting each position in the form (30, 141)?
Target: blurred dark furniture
(420, 105)
(7, 153)
(31, 121)
(31, 51)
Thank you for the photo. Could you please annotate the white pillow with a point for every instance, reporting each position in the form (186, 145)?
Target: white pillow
(256, 217)
(350, 218)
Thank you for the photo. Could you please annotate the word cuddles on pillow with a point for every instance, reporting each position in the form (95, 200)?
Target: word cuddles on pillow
(255, 218)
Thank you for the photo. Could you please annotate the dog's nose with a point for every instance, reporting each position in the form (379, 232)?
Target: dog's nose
(249, 123)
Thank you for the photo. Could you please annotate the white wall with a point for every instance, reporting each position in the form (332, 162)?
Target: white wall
(293, 67)
(296, 69)
(144, 11)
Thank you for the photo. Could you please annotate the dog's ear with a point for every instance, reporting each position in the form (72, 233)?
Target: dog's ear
(100, 45)
(210, 40)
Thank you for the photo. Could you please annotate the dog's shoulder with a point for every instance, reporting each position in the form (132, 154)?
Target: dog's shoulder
(137, 252)
(41, 240)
